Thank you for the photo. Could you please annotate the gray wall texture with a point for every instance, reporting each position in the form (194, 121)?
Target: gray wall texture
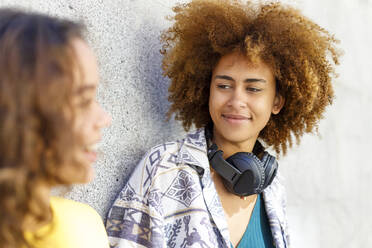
(328, 177)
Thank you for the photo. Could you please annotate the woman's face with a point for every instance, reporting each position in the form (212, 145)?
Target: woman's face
(242, 99)
(90, 117)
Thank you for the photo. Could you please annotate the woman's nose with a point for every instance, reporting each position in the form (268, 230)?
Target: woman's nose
(237, 99)
(105, 119)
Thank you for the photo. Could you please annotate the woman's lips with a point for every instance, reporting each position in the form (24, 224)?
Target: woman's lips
(91, 156)
(235, 118)
(91, 152)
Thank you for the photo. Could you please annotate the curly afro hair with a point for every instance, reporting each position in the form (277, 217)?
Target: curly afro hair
(302, 56)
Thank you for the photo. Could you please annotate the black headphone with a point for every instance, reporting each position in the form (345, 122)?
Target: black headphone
(244, 173)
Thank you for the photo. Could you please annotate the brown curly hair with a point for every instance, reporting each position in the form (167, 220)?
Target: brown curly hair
(301, 54)
(37, 73)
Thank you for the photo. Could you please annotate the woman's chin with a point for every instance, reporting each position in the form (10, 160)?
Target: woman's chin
(88, 175)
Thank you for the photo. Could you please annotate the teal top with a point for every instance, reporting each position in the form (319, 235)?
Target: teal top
(258, 233)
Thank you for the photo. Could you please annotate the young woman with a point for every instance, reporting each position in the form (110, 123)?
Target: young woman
(247, 76)
(50, 124)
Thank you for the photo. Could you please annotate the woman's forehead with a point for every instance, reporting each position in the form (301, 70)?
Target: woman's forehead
(88, 68)
(238, 62)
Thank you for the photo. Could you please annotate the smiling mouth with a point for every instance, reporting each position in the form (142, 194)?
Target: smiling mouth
(236, 117)
(91, 152)
(92, 148)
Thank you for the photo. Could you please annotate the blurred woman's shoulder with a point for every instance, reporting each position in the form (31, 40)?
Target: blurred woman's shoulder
(74, 224)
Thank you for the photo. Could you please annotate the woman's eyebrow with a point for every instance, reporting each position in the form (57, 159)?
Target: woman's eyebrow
(254, 80)
(247, 80)
(225, 77)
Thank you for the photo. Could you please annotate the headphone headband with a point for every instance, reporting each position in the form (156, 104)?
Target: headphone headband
(223, 168)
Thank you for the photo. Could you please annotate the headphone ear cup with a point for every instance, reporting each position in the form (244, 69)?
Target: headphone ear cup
(252, 175)
(271, 168)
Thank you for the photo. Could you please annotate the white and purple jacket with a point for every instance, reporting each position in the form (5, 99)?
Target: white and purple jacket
(170, 201)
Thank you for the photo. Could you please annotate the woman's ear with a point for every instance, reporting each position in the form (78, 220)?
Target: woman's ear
(278, 103)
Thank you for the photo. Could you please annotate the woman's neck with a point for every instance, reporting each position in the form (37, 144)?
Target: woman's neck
(230, 147)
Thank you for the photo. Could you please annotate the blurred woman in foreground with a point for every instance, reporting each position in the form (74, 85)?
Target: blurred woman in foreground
(50, 123)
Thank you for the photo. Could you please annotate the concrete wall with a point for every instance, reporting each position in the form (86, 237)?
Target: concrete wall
(328, 177)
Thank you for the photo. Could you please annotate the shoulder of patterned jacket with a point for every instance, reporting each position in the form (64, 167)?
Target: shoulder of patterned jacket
(158, 159)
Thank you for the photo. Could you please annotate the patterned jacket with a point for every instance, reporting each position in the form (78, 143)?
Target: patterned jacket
(170, 201)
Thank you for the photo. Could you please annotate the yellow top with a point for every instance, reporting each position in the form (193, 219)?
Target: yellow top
(74, 225)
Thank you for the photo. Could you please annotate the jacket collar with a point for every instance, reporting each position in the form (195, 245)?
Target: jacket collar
(193, 150)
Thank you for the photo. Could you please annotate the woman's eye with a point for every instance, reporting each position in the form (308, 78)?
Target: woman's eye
(86, 103)
(223, 86)
(252, 89)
